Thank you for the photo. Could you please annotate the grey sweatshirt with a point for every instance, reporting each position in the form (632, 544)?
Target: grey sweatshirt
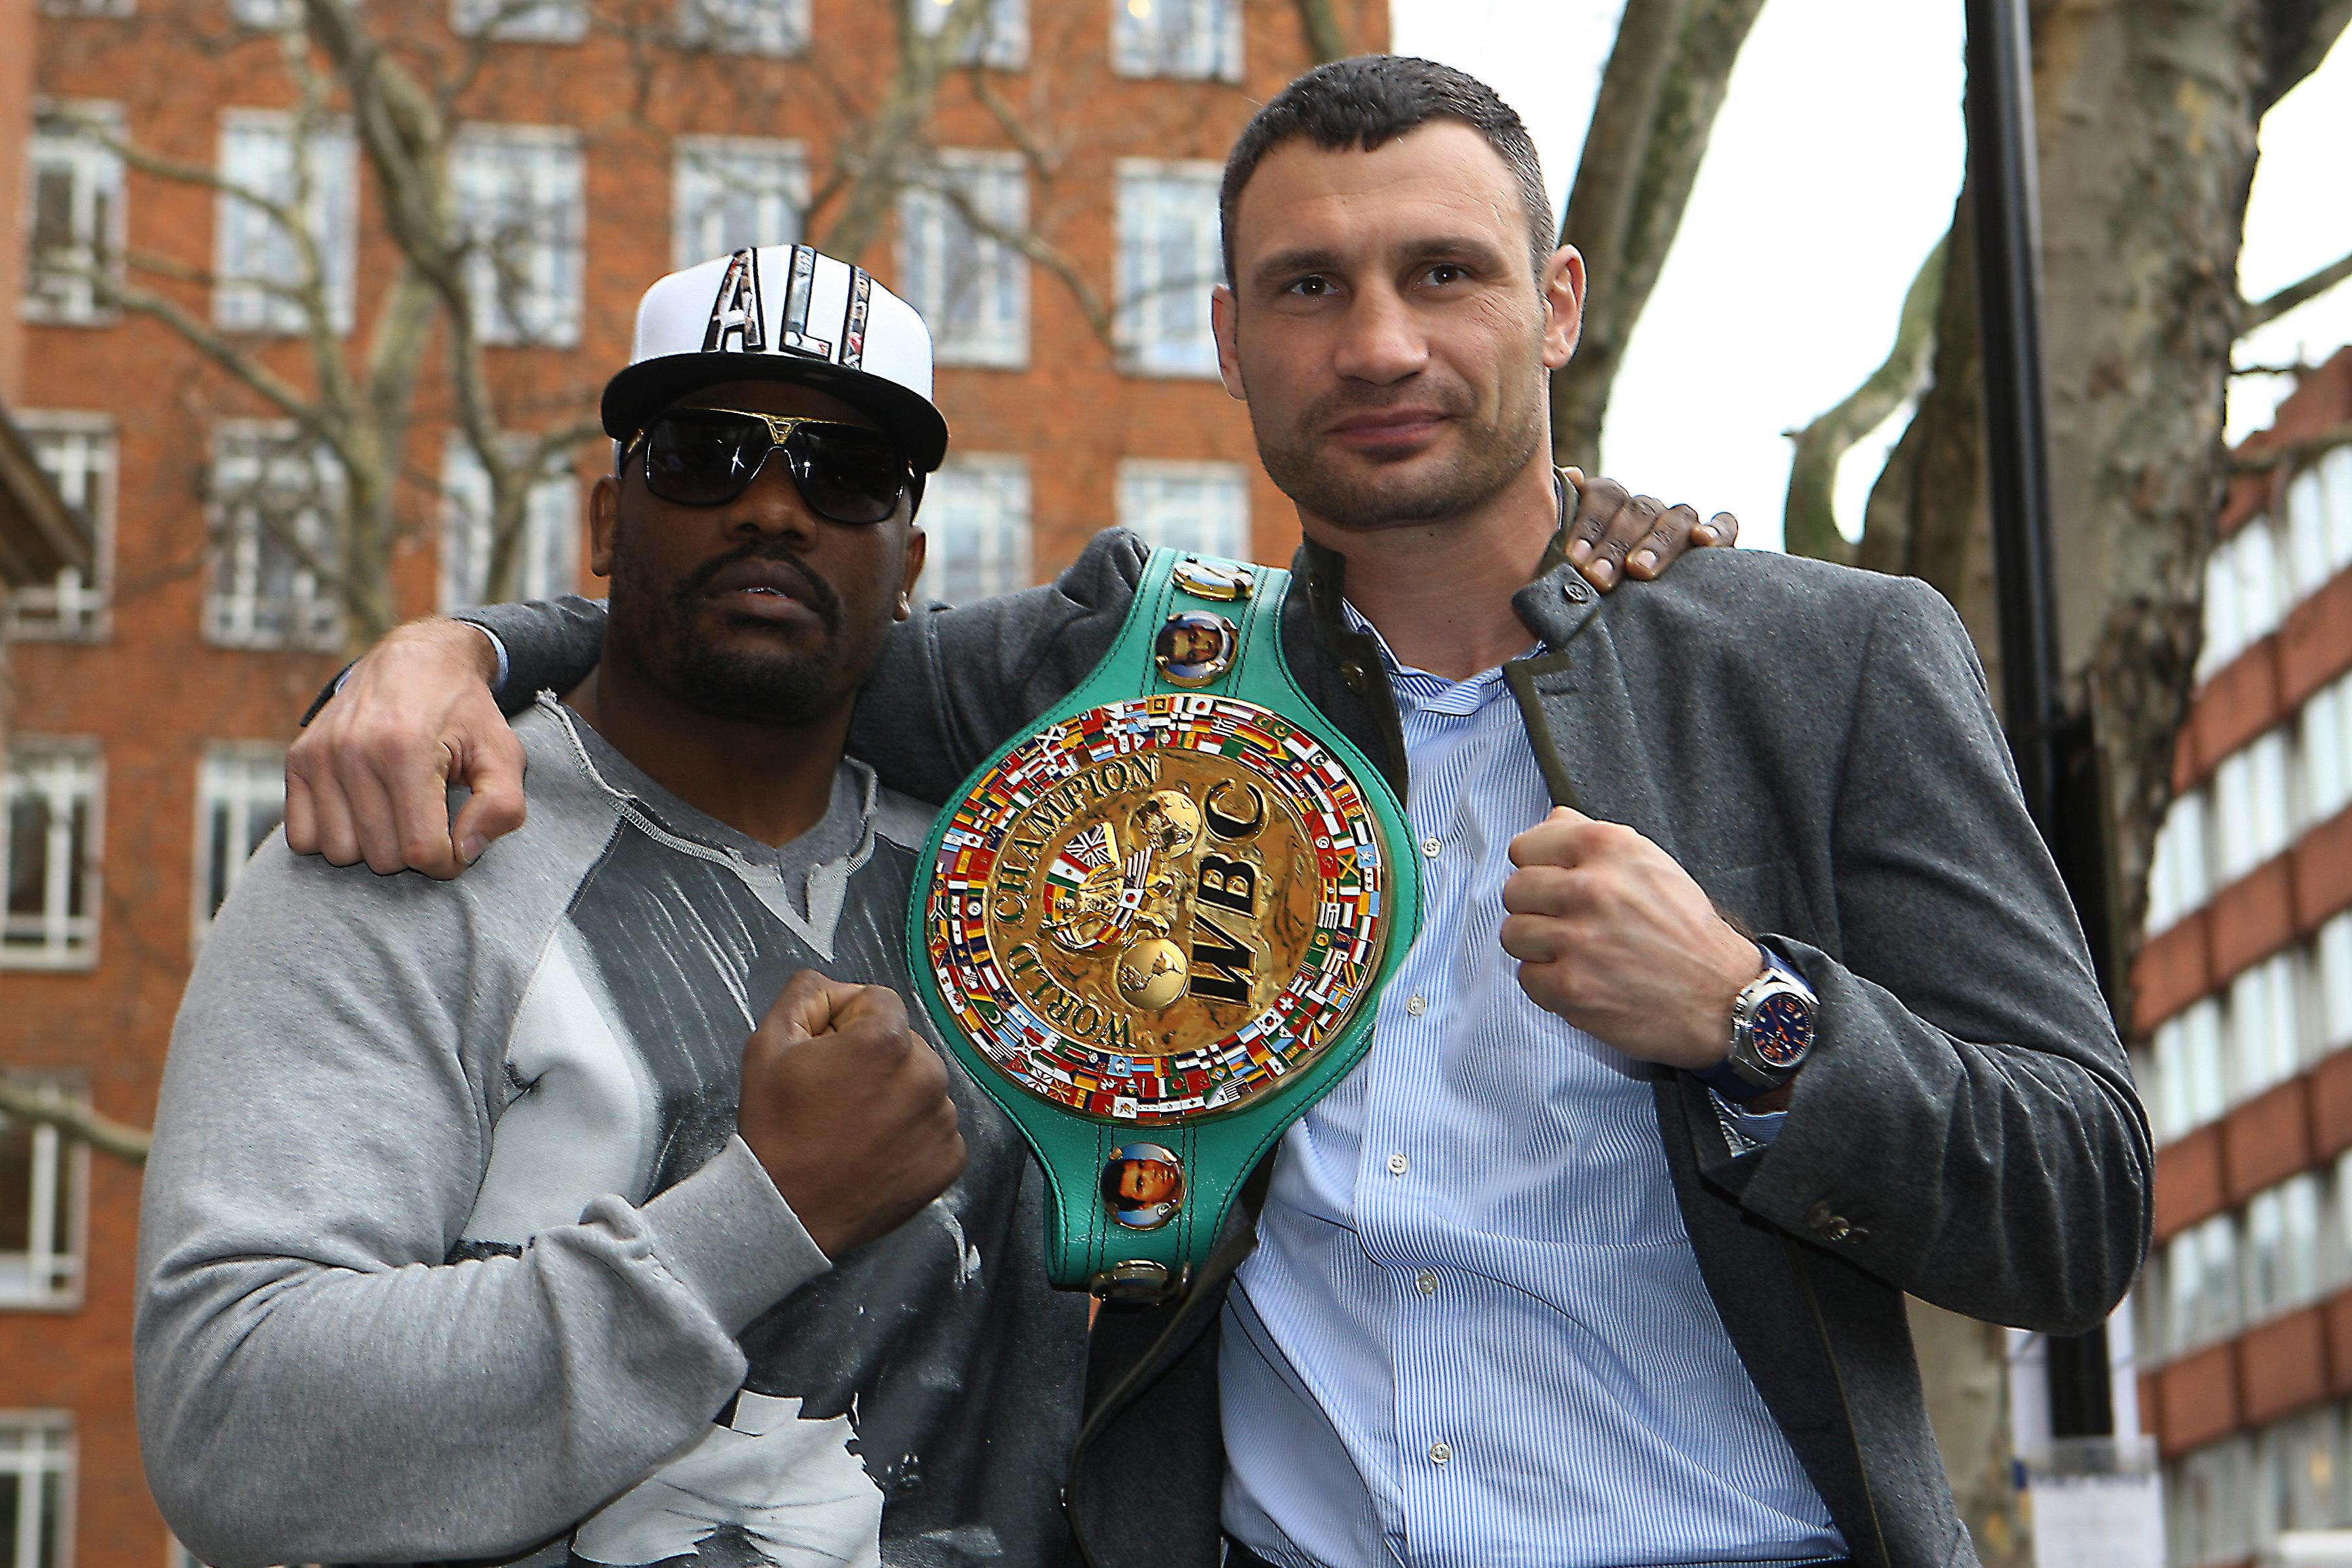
(448, 1248)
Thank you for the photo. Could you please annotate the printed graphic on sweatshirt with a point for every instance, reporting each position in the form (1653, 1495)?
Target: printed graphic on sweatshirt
(888, 1416)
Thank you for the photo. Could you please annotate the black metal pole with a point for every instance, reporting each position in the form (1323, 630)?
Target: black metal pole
(2054, 759)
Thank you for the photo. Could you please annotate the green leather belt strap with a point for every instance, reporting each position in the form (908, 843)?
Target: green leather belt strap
(1154, 928)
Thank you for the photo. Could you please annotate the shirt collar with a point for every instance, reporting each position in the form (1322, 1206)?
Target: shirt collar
(1417, 688)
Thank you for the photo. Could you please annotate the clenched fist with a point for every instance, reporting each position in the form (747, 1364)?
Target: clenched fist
(847, 1108)
(1612, 934)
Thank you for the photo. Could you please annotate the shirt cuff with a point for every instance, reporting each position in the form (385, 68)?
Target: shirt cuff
(499, 647)
(730, 1237)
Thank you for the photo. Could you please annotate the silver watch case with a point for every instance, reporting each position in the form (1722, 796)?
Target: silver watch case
(1771, 1026)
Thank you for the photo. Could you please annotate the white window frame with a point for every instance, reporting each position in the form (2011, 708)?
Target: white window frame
(95, 215)
(976, 522)
(1192, 41)
(66, 772)
(777, 29)
(235, 779)
(78, 452)
(36, 1446)
(1163, 315)
(47, 1275)
(520, 21)
(972, 288)
(730, 192)
(266, 15)
(999, 40)
(257, 463)
(550, 528)
(256, 260)
(520, 194)
(1176, 504)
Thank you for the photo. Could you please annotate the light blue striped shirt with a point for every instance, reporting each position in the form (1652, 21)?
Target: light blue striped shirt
(1474, 1333)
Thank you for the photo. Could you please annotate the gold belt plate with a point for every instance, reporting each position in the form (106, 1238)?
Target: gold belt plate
(1156, 909)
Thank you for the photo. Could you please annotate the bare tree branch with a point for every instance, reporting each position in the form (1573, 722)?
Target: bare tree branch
(2257, 312)
(2274, 456)
(1810, 522)
(44, 1104)
(1325, 39)
(1664, 82)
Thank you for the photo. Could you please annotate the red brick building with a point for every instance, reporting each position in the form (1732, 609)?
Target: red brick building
(2243, 1018)
(604, 144)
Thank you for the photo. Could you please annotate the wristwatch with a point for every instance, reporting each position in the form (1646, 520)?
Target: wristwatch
(1771, 1032)
(1153, 927)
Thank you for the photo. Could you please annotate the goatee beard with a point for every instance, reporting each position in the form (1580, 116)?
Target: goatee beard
(658, 632)
(1489, 457)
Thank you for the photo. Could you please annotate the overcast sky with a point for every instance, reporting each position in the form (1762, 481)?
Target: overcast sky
(1833, 170)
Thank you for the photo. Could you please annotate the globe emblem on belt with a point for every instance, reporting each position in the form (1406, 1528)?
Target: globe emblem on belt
(1159, 908)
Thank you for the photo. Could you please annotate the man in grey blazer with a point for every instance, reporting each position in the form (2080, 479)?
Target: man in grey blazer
(1546, 1280)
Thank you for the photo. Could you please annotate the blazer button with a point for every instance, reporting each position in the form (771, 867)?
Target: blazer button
(1831, 1226)
(1353, 674)
(1574, 590)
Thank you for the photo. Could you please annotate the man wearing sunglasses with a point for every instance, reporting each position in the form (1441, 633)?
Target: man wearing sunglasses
(474, 1228)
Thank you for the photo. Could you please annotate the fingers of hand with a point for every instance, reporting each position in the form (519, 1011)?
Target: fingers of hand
(1558, 840)
(1631, 524)
(490, 764)
(1597, 501)
(1536, 939)
(808, 1002)
(1677, 527)
(1722, 529)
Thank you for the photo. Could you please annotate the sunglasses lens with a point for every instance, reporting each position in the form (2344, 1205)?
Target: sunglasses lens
(847, 474)
(694, 459)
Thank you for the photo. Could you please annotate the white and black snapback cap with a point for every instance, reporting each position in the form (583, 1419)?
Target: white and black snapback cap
(783, 312)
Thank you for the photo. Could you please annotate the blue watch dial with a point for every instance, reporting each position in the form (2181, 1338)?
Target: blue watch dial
(1781, 1029)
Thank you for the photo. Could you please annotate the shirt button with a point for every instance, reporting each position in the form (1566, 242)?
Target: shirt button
(1426, 1281)
(1417, 1006)
(1439, 1453)
(1399, 1164)
(1430, 847)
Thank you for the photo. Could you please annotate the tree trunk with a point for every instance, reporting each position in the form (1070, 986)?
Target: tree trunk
(1656, 109)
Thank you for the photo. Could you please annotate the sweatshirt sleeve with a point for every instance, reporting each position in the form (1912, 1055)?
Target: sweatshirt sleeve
(316, 1379)
(551, 643)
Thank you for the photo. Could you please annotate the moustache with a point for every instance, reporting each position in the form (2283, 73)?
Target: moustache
(807, 587)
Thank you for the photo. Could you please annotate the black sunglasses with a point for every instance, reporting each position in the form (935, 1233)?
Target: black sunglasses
(708, 457)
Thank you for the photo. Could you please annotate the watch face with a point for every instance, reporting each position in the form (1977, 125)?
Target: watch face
(1159, 908)
(1781, 1029)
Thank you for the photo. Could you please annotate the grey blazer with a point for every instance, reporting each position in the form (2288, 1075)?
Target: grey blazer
(1816, 747)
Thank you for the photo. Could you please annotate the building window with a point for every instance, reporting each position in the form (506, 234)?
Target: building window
(975, 518)
(2334, 952)
(88, 7)
(1169, 260)
(2201, 1280)
(728, 193)
(2208, 1505)
(266, 15)
(778, 27)
(518, 190)
(2282, 1241)
(1000, 38)
(37, 1457)
(73, 212)
(1199, 39)
(76, 452)
(43, 1185)
(277, 540)
(2253, 807)
(262, 280)
(1199, 507)
(2179, 879)
(2265, 1023)
(2319, 746)
(52, 849)
(2247, 590)
(520, 21)
(240, 801)
(547, 560)
(966, 281)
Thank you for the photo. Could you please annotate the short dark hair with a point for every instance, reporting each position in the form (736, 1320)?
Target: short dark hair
(1366, 101)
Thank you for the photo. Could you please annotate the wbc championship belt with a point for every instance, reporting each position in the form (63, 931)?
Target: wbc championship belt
(1154, 926)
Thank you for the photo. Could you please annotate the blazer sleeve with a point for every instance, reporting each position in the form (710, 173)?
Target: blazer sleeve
(1967, 1127)
(552, 644)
